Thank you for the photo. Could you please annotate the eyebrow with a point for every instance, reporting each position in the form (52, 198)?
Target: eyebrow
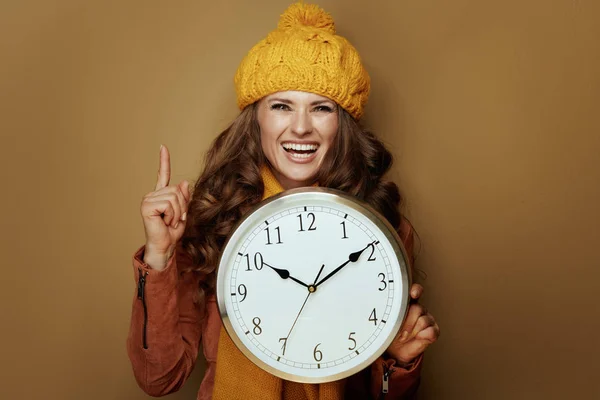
(286, 101)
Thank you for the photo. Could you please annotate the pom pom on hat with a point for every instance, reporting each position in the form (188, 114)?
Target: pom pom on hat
(310, 15)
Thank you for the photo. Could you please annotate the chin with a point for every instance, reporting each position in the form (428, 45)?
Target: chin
(300, 176)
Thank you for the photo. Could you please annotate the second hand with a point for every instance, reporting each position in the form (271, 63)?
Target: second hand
(305, 300)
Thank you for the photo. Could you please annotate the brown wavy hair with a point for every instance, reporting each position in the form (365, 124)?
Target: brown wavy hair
(231, 184)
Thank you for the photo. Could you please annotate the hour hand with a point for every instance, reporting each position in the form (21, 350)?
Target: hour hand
(285, 274)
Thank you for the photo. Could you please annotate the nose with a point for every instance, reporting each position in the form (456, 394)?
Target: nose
(301, 123)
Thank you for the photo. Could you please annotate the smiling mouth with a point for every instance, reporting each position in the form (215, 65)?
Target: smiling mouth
(300, 150)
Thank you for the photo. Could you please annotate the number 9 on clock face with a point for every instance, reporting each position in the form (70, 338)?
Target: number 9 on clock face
(313, 285)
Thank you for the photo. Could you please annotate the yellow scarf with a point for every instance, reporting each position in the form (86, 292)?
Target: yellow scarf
(237, 378)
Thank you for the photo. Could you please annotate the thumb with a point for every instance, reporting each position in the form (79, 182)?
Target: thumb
(184, 186)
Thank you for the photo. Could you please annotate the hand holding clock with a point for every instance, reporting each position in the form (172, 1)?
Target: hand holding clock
(416, 334)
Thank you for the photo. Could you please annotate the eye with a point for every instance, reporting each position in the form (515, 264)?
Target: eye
(324, 108)
(280, 107)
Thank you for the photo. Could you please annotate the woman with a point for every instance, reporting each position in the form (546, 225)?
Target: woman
(301, 91)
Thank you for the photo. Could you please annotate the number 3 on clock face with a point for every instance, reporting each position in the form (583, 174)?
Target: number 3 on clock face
(313, 285)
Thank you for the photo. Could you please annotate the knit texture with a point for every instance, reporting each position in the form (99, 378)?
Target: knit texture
(304, 54)
(237, 378)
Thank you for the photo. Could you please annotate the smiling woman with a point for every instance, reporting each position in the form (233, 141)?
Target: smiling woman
(297, 129)
(301, 93)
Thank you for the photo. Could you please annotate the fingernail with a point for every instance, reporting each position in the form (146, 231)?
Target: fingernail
(161, 146)
(184, 216)
(176, 224)
(404, 336)
(415, 293)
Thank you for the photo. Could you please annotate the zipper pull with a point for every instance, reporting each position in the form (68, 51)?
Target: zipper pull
(141, 284)
(384, 386)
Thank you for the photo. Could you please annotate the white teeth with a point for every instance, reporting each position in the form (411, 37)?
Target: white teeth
(300, 147)
(299, 155)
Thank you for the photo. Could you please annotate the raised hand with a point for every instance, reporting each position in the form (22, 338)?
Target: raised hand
(353, 257)
(164, 213)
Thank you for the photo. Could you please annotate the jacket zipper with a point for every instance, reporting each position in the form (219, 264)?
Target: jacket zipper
(142, 297)
(385, 381)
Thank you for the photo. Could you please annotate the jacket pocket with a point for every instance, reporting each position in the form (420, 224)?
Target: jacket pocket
(142, 297)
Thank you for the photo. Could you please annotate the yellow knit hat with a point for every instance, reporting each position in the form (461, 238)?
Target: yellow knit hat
(304, 54)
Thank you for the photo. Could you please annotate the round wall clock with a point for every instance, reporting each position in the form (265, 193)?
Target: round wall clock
(313, 285)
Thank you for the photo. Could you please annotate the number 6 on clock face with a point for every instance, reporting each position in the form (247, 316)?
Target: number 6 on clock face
(313, 285)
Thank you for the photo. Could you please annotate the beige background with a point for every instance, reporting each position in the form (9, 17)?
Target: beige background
(492, 108)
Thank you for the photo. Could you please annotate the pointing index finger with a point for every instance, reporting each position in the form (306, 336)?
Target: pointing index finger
(164, 169)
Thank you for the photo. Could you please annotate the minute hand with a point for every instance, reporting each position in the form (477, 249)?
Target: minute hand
(353, 257)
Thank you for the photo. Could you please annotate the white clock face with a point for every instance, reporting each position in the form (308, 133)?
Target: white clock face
(312, 287)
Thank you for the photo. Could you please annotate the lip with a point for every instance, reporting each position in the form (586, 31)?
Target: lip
(300, 142)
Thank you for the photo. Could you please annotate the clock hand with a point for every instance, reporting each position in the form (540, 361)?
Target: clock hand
(303, 304)
(353, 257)
(318, 275)
(285, 274)
(299, 312)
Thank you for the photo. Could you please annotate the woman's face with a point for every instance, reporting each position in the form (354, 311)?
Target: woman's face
(296, 131)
